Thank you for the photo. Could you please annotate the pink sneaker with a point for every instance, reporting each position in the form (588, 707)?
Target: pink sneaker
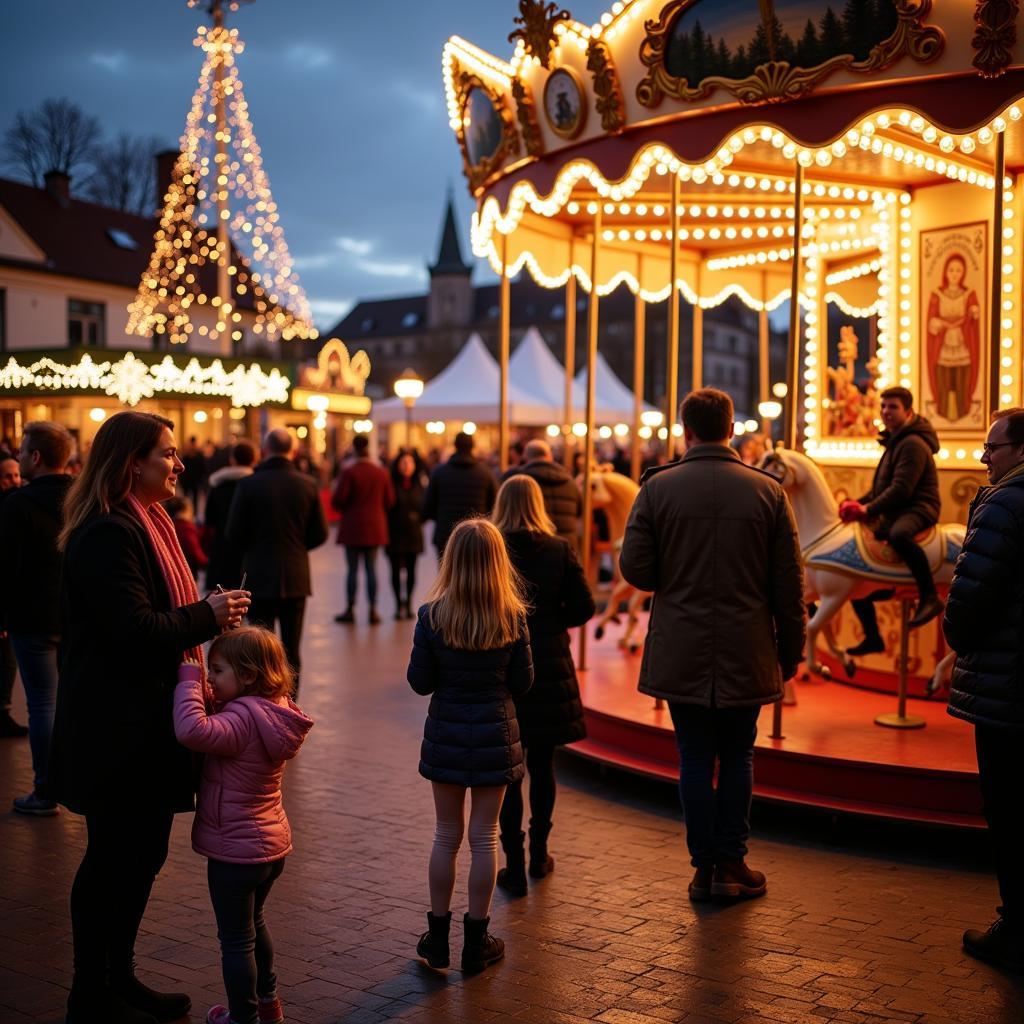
(271, 1011)
(218, 1015)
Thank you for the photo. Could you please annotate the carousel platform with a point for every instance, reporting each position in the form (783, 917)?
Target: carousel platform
(833, 756)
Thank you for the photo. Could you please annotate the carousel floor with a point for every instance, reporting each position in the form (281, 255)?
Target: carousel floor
(833, 755)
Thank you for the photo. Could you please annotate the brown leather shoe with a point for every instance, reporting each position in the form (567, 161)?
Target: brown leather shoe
(734, 879)
(700, 887)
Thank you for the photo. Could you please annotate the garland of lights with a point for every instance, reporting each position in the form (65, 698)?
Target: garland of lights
(130, 380)
(216, 169)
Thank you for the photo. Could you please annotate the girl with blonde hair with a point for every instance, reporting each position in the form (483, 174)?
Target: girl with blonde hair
(471, 653)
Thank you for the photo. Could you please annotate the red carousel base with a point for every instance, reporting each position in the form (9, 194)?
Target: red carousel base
(833, 755)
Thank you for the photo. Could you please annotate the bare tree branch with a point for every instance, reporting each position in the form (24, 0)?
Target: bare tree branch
(57, 136)
(125, 174)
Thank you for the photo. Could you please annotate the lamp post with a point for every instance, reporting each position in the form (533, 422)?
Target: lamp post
(408, 388)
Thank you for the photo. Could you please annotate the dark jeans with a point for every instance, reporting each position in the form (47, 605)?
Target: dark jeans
(368, 556)
(238, 892)
(999, 772)
(8, 670)
(540, 763)
(864, 609)
(717, 818)
(37, 661)
(127, 848)
(402, 560)
(900, 533)
(289, 611)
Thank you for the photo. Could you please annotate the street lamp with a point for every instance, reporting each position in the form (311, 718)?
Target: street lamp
(408, 387)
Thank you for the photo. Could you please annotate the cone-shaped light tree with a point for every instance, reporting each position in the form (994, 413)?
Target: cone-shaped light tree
(220, 245)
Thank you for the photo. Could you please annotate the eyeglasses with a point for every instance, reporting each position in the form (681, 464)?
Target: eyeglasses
(988, 448)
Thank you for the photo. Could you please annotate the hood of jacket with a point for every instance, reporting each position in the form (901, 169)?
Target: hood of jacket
(919, 426)
(282, 728)
(229, 473)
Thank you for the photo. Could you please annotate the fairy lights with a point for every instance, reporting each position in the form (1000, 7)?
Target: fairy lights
(1009, 353)
(219, 179)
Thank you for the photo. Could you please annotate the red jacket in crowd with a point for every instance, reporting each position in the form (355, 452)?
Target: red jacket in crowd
(363, 495)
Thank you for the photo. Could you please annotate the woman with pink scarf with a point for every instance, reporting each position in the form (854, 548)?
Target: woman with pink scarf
(131, 615)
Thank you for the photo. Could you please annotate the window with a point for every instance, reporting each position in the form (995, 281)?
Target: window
(558, 312)
(86, 323)
(122, 239)
(3, 319)
(410, 319)
(367, 324)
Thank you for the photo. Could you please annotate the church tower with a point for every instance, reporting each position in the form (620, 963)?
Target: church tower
(450, 303)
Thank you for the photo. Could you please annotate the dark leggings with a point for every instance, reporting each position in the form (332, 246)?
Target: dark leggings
(402, 560)
(368, 556)
(238, 892)
(540, 763)
(125, 852)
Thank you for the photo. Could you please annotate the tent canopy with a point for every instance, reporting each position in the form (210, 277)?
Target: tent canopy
(612, 399)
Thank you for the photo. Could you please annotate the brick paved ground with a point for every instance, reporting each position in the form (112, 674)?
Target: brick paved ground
(860, 925)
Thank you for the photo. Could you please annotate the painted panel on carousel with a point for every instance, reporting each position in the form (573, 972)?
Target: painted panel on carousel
(850, 408)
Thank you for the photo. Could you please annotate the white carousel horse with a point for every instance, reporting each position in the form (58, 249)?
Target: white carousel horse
(844, 561)
(614, 494)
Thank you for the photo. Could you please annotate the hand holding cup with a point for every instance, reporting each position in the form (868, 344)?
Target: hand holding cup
(229, 606)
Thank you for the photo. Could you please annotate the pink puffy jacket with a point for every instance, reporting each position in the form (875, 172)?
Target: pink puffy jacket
(239, 815)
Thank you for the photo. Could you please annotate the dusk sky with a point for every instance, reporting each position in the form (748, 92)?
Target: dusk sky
(346, 99)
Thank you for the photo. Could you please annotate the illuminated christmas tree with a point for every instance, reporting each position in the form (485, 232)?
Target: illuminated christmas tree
(220, 244)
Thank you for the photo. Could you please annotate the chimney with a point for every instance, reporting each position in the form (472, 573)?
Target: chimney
(58, 185)
(165, 161)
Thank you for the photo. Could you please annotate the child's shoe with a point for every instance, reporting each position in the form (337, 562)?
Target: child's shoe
(480, 949)
(218, 1015)
(433, 944)
(271, 1011)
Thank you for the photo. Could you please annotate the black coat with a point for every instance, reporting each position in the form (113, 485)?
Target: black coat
(276, 519)
(550, 712)
(471, 736)
(113, 738)
(405, 518)
(906, 479)
(225, 566)
(459, 488)
(30, 519)
(563, 501)
(984, 619)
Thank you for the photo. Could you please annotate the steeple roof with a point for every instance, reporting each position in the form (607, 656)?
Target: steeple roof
(449, 255)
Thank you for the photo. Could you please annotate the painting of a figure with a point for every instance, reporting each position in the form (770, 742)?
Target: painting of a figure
(952, 287)
(482, 126)
(564, 104)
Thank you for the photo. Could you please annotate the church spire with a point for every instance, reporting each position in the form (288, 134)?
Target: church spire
(449, 254)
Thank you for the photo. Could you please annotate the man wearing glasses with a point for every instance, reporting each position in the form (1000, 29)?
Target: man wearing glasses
(984, 624)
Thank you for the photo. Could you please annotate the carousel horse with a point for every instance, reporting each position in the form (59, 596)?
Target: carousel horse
(614, 494)
(844, 561)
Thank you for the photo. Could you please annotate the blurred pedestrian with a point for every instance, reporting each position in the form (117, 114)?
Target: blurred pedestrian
(182, 516)
(276, 519)
(716, 542)
(240, 823)
(563, 500)
(550, 713)
(751, 449)
(10, 481)
(471, 654)
(983, 624)
(10, 475)
(193, 477)
(405, 530)
(225, 565)
(461, 487)
(130, 613)
(30, 521)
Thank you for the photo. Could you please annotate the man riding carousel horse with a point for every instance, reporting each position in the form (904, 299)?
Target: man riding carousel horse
(903, 502)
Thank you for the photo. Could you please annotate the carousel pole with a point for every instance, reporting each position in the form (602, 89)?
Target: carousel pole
(570, 359)
(639, 328)
(763, 354)
(503, 346)
(672, 351)
(697, 374)
(793, 351)
(996, 297)
(588, 447)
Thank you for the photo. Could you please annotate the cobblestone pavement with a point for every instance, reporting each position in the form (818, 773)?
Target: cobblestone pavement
(859, 924)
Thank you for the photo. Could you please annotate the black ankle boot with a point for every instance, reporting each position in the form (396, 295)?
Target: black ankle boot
(512, 878)
(433, 944)
(541, 864)
(480, 949)
(90, 1005)
(161, 1006)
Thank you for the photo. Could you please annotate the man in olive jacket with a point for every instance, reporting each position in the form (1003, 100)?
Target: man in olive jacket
(984, 624)
(716, 542)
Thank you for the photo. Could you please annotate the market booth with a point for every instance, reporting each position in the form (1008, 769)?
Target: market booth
(866, 163)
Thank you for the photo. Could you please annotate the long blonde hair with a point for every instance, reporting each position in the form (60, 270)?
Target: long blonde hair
(257, 654)
(477, 603)
(106, 477)
(520, 506)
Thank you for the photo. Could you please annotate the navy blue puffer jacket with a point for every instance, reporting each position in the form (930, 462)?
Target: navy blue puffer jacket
(471, 736)
(984, 620)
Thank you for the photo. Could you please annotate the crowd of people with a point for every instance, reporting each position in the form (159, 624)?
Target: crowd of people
(102, 594)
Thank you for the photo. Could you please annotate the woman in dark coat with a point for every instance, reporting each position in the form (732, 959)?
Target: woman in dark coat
(551, 713)
(130, 612)
(405, 530)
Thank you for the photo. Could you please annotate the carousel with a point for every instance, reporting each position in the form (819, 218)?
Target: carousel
(853, 173)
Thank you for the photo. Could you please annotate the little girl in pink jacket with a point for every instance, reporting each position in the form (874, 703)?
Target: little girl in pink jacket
(240, 824)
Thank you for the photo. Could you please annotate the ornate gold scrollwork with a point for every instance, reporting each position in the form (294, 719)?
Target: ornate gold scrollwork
(527, 113)
(608, 101)
(995, 35)
(962, 491)
(775, 81)
(537, 22)
(465, 82)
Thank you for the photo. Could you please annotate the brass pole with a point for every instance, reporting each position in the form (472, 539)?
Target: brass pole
(588, 447)
(793, 351)
(697, 372)
(763, 354)
(570, 360)
(639, 328)
(503, 346)
(672, 350)
(996, 297)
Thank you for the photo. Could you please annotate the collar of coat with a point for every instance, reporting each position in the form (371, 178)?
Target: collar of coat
(711, 450)
(275, 462)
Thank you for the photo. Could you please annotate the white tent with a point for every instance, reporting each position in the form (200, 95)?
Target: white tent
(467, 389)
(612, 399)
(534, 369)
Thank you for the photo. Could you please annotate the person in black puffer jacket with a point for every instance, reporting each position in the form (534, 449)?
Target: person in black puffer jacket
(984, 624)
(563, 500)
(461, 487)
(471, 653)
(551, 713)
